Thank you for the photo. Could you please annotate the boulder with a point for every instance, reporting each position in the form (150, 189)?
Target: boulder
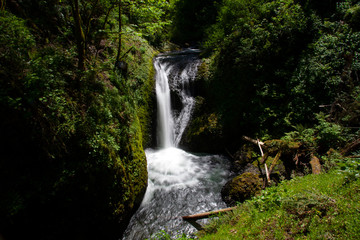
(241, 188)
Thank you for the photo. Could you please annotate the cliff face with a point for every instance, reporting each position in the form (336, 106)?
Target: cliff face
(72, 162)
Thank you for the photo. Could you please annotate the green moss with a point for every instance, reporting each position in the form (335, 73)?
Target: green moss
(146, 108)
(141, 81)
(138, 166)
(204, 132)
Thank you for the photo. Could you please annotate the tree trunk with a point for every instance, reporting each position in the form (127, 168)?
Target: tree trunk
(120, 29)
(3, 4)
(79, 34)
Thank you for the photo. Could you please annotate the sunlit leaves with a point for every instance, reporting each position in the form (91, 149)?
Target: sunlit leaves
(151, 18)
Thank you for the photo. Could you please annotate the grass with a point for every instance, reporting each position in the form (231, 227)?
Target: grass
(324, 206)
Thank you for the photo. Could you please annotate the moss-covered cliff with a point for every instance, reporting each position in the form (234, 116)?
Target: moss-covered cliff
(72, 163)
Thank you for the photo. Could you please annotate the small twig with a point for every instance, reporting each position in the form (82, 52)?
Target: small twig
(258, 143)
(267, 173)
(262, 155)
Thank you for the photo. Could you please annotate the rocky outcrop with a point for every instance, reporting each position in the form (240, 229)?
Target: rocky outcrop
(204, 133)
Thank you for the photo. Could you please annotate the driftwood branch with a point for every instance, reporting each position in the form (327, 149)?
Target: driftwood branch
(206, 214)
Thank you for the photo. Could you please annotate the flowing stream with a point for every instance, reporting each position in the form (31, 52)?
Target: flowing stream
(180, 183)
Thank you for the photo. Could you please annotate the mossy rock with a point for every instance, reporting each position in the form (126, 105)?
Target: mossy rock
(204, 133)
(241, 188)
(243, 157)
(275, 145)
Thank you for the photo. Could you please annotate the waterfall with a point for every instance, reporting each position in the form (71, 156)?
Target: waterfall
(165, 118)
(180, 69)
(179, 183)
(187, 100)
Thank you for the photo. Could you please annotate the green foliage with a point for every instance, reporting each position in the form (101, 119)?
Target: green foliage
(350, 168)
(323, 68)
(16, 40)
(151, 19)
(320, 138)
(249, 73)
(162, 235)
(71, 141)
(16, 46)
(329, 134)
(352, 16)
(307, 136)
(275, 62)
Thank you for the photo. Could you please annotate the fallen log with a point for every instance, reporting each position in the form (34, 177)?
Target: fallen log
(206, 214)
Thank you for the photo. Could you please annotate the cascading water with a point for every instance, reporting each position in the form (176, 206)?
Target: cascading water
(180, 183)
(166, 123)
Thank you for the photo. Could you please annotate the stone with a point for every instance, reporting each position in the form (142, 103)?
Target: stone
(241, 188)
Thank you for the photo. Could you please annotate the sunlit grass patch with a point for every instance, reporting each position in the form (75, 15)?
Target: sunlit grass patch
(322, 206)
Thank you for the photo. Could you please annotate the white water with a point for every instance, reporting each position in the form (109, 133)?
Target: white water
(188, 101)
(180, 183)
(172, 126)
(166, 123)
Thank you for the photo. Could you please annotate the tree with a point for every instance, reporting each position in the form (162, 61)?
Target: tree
(79, 34)
(120, 29)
